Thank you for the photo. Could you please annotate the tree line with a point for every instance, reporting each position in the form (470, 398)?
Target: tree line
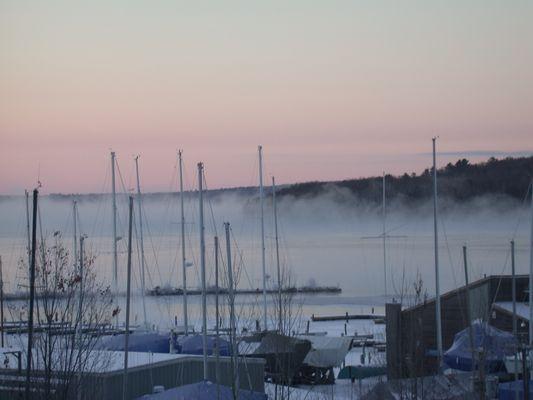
(459, 181)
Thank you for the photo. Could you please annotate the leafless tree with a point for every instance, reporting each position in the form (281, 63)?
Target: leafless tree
(72, 308)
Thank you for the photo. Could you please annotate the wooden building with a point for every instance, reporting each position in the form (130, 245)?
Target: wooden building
(411, 332)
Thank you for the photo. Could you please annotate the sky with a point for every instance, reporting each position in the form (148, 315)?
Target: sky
(331, 89)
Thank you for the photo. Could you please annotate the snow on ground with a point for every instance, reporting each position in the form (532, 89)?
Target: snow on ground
(341, 390)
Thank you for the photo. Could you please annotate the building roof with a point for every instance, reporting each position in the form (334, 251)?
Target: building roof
(483, 281)
(522, 308)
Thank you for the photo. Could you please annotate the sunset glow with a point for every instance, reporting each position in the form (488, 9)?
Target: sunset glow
(330, 89)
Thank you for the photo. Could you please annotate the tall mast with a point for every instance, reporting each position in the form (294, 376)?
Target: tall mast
(75, 219)
(139, 209)
(436, 245)
(531, 274)
(128, 293)
(79, 327)
(183, 258)
(274, 205)
(515, 325)
(217, 314)
(32, 294)
(114, 211)
(263, 260)
(27, 195)
(384, 215)
(468, 314)
(202, 264)
(233, 328)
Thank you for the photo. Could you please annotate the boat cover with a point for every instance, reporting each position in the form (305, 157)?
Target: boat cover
(326, 351)
(204, 390)
(194, 345)
(497, 345)
(284, 355)
(151, 342)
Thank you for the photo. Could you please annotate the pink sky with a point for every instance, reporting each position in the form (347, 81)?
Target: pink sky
(331, 90)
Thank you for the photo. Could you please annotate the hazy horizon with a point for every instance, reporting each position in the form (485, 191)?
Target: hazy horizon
(321, 239)
(443, 159)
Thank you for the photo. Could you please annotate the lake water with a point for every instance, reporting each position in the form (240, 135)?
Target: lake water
(322, 242)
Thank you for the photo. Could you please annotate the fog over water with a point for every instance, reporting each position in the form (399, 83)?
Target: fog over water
(323, 240)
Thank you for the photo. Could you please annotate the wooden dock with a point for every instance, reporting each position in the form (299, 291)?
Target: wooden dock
(346, 317)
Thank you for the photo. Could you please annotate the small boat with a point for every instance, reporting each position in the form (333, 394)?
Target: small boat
(326, 353)
(194, 345)
(151, 342)
(284, 356)
(496, 344)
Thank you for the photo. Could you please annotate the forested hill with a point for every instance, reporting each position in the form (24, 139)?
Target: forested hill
(460, 181)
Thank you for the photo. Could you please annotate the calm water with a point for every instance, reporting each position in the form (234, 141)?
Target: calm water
(321, 243)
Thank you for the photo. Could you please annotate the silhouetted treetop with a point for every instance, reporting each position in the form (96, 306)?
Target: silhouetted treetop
(458, 181)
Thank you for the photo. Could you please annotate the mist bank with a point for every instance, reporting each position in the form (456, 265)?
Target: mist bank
(333, 210)
(507, 178)
(331, 237)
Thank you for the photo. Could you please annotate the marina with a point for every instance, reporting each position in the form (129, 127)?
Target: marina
(278, 200)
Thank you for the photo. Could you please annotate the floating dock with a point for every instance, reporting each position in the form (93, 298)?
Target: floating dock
(346, 317)
(159, 291)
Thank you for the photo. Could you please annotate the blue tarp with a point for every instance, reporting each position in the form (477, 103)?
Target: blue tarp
(506, 391)
(203, 391)
(194, 345)
(496, 344)
(152, 342)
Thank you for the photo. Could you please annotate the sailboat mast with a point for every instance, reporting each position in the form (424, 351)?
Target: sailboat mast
(139, 209)
(75, 219)
(217, 313)
(263, 260)
(114, 211)
(233, 328)
(436, 244)
(515, 325)
(27, 194)
(79, 327)
(183, 258)
(128, 294)
(384, 216)
(274, 205)
(32, 293)
(202, 264)
(468, 314)
(531, 273)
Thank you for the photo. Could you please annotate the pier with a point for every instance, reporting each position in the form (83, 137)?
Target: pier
(347, 317)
